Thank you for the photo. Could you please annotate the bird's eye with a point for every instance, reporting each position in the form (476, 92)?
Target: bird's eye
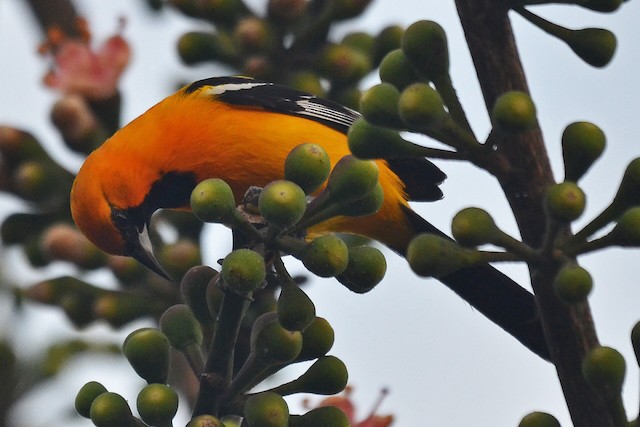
(120, 218)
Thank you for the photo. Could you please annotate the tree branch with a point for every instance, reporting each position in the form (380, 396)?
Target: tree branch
(524, 173)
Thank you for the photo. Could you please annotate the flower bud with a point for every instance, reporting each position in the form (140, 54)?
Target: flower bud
(595, 46)
(539, 419)
(513, 112)
(111, 410)
(321, 417)
(295, 309)
(425, 44)
(282, 203)
(181, 327)
(157, 404)
(317, 340)
(266, 409)
(604, 369)
(352, 179)
(272, 344)
(473, 227)
(582, 144)
(397, 70)
(565, 201)
(572, 284)
(366, 268)
(379, 105)
(326, 256)
(421, 107)
(148, 352)
(434, 256)
(85, 397)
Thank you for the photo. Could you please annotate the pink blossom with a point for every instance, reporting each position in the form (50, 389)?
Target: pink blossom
(79, 69)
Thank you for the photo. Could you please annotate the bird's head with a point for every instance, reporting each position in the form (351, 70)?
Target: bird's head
(113, 199)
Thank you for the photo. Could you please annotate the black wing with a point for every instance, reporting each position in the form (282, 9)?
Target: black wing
(277, 98)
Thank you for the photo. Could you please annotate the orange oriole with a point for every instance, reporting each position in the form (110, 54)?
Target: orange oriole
(241, 130)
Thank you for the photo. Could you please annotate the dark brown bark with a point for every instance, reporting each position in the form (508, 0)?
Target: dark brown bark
(523, 170)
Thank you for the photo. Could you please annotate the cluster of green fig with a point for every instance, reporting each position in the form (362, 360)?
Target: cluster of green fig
(595, 46)
(288, 44)
(291, 334)
(297, 203)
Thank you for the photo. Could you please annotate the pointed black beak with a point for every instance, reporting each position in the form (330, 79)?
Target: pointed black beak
(142, 250)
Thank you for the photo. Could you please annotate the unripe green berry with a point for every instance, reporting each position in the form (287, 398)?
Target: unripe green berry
(387, 40)
(572, 284)
(352, 179)
(308, 165)
(513, 112)
(344, 64)
(148, 352)
(366, 268)
(272, 344)
(296, 311)
(425, 44)
(368, 205)
(111, 410)
(321, 417)
(595, 46)
(181, 327)
(604, 369)
(212, 200)
(178, 257)
(326, 256)
(347, 9)
(243, 270)
(539, 419)
(582, 144)
(86, 395)
(328, 375)
(359, 40)
(205, 421)
(420, 106)
(396, 69)
(193, 288)
(282, 203)
(367, 141)
(433, 256)
(473, 227)
(317, 340)
(565, 201)
(629, 191)
(379, 105)
(157, 404)
(627, 230)
(266, 409)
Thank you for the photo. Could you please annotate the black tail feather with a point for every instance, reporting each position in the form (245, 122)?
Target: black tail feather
(495, 295)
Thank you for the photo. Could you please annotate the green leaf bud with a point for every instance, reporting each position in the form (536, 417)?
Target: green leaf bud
(157, 404)
(205, 421)
(317, 340)
(425, 44)
(326, 256)
(539, 419)
(572, 284)
(321, 417)
(243, 270)
(181, 327)
(595, 46)
(295, 309)
(582, 144)
(266, 409)
(212, 200)
(565, 201)
(86, 395)
(111, 410)
(352, 179)
(473, 227)
(148, 352)
(434, 256)
(513, 112)
(421, 107)
(282, 203)
(368, 205)
(397, 70)
(308, 165)
(379, 105)
(604, 368)
(366, 268)
(271, 343)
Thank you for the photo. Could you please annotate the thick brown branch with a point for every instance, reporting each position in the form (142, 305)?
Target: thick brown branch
(523, 170)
